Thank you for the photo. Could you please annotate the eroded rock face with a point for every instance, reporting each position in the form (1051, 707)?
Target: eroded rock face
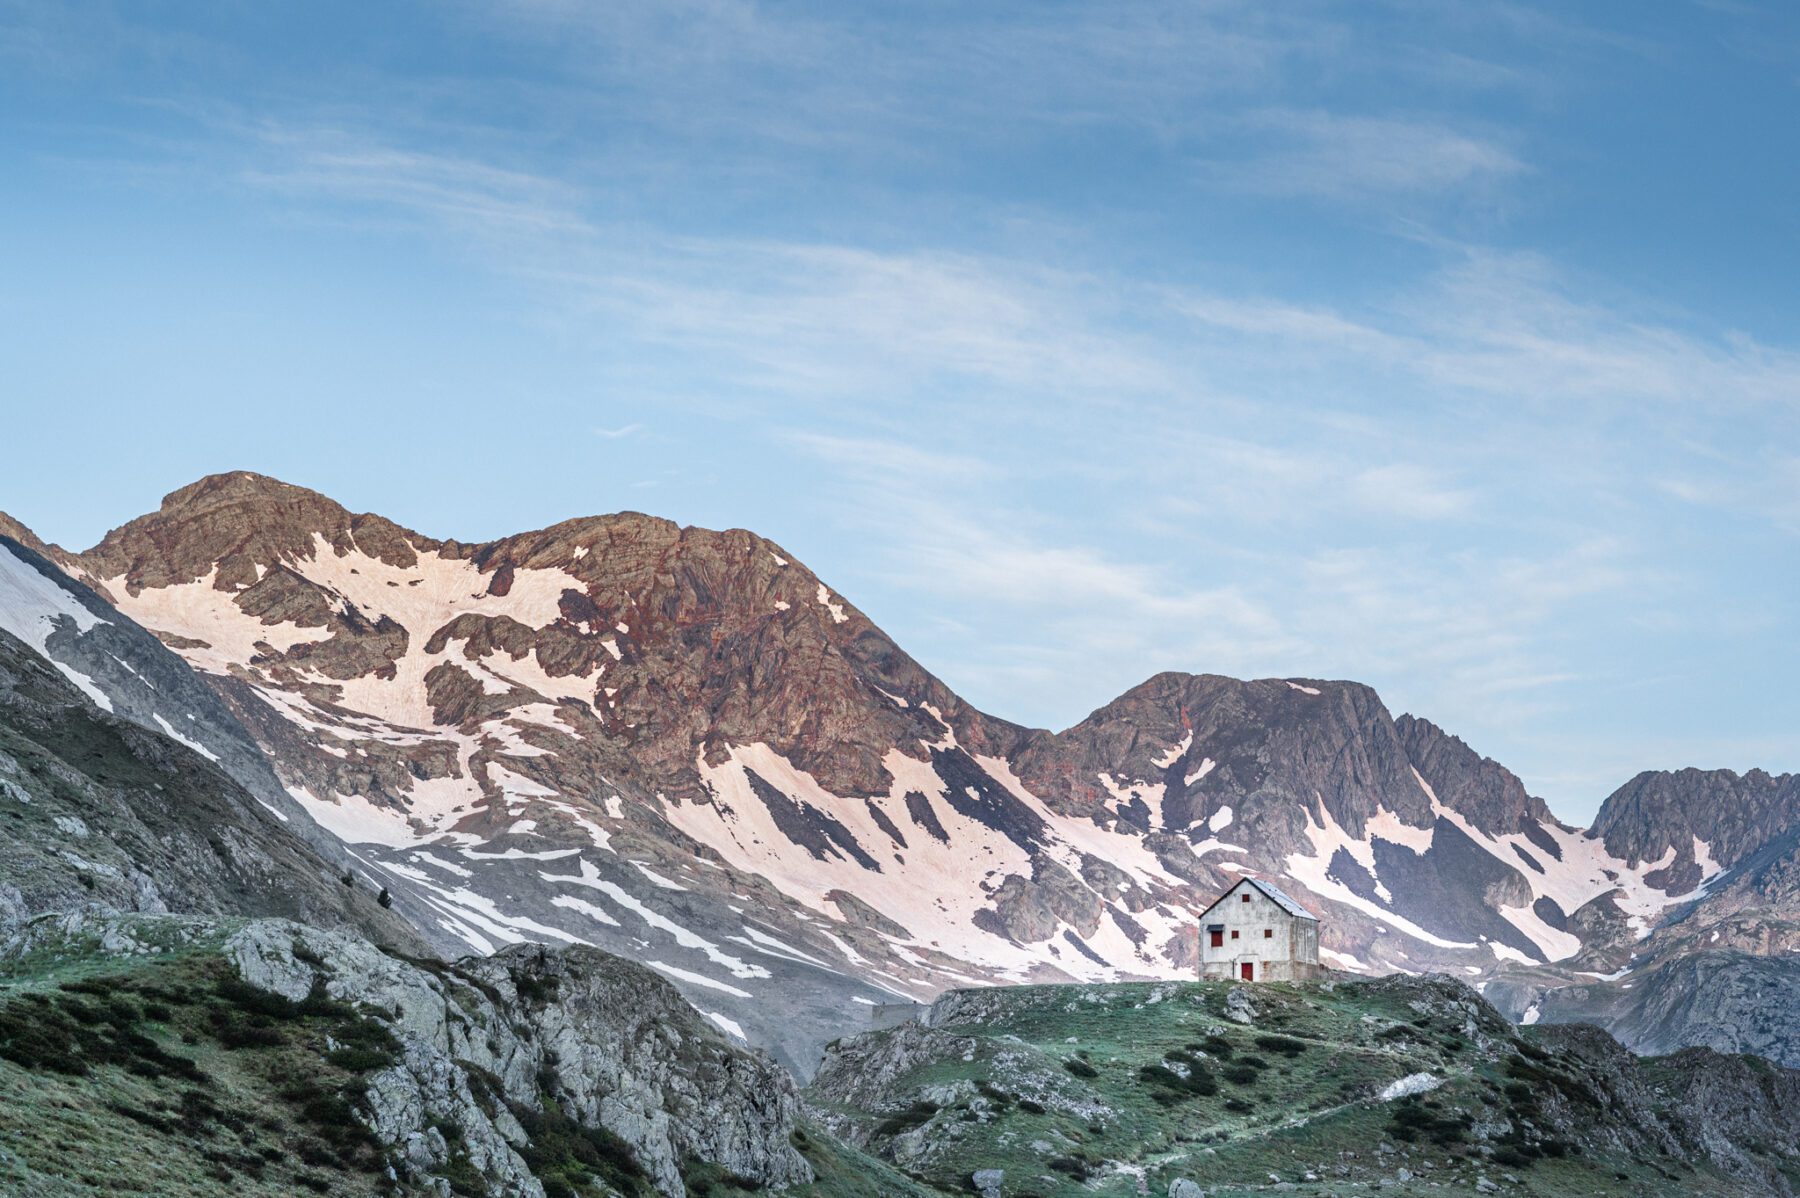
(1723, 999)
(610, 1042)
(1659, 815)
(97, 811)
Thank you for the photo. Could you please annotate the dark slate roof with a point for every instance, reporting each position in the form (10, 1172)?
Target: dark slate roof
(1282, 900)
(1275, 894)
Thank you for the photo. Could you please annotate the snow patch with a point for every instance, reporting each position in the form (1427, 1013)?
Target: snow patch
(1505, 952)
(195, 745)
(590, 877)
(657, 879)
(730, 1026)
(1313, 872)
(1168, 760)
(32, 607)
(697, 979)
(596, 913)
(838, 615)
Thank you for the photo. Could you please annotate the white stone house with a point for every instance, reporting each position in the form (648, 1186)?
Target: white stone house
(1255, 933)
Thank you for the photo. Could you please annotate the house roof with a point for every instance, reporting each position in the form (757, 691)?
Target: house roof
(1275, 894)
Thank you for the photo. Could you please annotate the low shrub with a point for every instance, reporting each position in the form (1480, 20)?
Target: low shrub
(1217, 1046)
(560, 1150)
(916, 1115)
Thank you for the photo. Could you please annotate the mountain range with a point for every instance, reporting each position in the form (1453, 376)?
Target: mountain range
(685, 748)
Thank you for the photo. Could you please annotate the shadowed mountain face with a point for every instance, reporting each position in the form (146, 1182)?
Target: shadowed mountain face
(683, 746)
(98, 810)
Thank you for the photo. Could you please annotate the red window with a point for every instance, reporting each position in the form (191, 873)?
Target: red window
(1244, 897)
(1268, 933)
(1234, 933)
(1218, 940)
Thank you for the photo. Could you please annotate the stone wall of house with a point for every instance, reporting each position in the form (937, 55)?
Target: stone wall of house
(1278, 946)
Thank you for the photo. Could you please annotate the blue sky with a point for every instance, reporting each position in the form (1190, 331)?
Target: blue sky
(1445, 346)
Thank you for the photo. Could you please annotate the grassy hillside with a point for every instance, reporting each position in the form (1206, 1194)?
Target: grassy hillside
(167, 1075)
(1130, 1089)
(157, 1070)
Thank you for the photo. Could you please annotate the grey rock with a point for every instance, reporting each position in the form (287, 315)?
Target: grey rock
(988, 1182)
(611, 1042)
(101, 810)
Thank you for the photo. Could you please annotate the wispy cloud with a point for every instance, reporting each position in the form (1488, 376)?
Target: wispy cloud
(1353, 157)
(458, 193)
(1411, 491)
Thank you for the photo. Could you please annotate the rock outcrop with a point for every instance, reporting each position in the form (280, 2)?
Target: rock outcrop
(489, 1064)
(97, 811)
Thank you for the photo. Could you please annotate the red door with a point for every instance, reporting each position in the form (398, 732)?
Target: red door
(1218, 939)
(1248, 971)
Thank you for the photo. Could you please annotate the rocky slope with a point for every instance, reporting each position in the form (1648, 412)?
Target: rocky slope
(1720, 969)
(95, 810)
(683, 746)
(178, 1055)
(121, 779)
(1406, 1085)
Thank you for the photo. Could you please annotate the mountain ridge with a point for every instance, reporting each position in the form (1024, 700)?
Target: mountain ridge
(683, 745)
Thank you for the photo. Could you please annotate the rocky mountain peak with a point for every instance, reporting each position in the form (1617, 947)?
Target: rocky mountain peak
(240, 525)
(1718, 815)
(1490, 795)
(16, 531)
(1329, 748)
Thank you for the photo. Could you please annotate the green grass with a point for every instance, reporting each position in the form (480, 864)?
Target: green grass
(167, 1075)
(840, 1172)
(1083, 1090)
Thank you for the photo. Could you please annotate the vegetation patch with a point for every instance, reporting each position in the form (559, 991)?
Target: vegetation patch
(1179, 1077)
(227, 1085)
(1412, 1118)
(917, 1114)
(566, 1156)
(1286, 1046)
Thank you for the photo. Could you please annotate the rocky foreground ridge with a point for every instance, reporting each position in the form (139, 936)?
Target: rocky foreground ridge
(683, 746)
(1398, 1085)
(269, 1053)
